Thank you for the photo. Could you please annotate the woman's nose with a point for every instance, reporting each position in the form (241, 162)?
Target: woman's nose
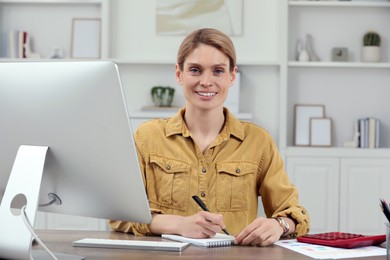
(207, 79)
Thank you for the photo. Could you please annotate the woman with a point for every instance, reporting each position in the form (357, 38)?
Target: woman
(204, 150)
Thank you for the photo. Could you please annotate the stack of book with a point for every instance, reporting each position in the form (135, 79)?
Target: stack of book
(369, 132)
(17, 44)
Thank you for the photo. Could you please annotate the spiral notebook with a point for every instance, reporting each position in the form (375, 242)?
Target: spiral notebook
(216, 241)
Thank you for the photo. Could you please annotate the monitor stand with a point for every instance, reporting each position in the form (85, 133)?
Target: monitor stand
(23, 188)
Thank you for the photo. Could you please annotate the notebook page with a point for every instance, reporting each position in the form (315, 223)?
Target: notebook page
(216, 241)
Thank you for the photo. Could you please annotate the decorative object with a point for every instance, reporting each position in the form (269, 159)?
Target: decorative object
(371, 47)
(304, 56)
(86, 38)
(181, 17)
(354, 143)
(320, 131)
(309, 48)
(298, 49)
(57, 53)
(303, 113)
(340, 54)
(162, 96)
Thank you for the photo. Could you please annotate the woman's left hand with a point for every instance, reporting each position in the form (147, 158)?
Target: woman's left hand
(261, 232)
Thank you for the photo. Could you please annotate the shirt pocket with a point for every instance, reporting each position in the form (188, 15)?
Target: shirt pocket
(234, 184)
(171, 182)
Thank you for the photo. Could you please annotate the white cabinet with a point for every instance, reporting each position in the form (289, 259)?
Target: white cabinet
(363, 181)
(67, 222)
(341, 192)
(317, 180)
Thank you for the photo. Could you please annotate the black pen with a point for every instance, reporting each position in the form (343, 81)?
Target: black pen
(386, 209)
(204, 207)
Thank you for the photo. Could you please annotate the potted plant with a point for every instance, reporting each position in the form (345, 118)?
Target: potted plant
(371, 47)
(162, 96)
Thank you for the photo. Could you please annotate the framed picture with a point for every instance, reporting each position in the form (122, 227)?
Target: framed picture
(180, 17)
(303, 113)
(320, 131)
(86, 35)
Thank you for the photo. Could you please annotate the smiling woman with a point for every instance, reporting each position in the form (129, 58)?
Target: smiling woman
(205, 151)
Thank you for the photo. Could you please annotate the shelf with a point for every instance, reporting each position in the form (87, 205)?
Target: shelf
(365, 65)
(337, 152)
(340, 3)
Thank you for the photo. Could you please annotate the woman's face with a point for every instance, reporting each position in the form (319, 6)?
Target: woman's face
(205, 78)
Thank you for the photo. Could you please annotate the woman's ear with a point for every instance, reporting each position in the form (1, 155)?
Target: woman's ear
(178, 74)
(233, 76)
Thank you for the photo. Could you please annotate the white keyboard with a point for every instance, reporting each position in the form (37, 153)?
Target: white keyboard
(131, 244)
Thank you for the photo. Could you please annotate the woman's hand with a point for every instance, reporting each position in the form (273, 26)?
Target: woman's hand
(200, 225)
(261, 232)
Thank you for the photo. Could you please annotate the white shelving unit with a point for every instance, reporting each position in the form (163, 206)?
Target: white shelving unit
(49, 23)
(323, 82)
(339, 186)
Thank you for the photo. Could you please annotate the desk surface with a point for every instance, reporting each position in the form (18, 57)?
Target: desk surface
(61, 242)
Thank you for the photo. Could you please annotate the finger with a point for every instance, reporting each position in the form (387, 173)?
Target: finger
(213, 221)
(247, 231)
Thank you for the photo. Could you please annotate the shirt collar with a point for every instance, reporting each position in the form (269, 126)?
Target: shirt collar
(233, 126)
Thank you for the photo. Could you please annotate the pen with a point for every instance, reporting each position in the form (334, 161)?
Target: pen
(204, 207)
(385, 209)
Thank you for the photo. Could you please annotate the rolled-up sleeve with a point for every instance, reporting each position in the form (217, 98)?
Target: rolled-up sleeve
(138, 229)
(279, 195)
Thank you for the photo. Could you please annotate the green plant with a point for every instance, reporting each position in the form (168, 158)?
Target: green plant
(371, 39)
(162, 96)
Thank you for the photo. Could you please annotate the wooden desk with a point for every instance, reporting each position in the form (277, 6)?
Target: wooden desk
(61, 242)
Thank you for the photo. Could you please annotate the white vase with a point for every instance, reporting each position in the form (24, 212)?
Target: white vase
(371, 53)
(309, 48)
(304, 56)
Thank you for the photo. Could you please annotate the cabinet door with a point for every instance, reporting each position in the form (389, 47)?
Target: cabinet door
(363, 183)
(318, 185)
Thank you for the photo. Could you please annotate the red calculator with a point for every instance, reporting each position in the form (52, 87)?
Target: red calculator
(342, 239)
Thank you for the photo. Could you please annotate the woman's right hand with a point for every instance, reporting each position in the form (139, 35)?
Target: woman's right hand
(200, 225)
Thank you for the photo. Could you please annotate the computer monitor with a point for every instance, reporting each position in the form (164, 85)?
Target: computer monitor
(70, 118)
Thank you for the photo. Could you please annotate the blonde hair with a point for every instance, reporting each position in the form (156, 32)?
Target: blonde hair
(210, 37)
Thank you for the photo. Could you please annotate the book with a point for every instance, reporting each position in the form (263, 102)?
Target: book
(369, 132)
(218, 240)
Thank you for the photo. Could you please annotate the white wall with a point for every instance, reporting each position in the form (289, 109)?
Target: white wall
(133, 32)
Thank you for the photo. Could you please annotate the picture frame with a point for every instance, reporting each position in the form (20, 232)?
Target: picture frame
(86, 38)
(320, 131)
(302, 115)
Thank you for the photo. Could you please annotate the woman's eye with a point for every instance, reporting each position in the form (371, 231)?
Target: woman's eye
(194, 70)
(219, 71)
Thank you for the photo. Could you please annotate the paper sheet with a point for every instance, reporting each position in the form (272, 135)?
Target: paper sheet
(326, 252)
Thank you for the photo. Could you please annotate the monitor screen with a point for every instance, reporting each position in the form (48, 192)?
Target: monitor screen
(78, 110)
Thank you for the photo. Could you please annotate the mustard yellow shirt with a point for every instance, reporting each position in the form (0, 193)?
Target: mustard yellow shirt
(241, 164)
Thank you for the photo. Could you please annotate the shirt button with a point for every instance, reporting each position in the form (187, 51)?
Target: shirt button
(303, 212)
(168, 167)
(203, 194)
(238, 171)
(204, 170)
